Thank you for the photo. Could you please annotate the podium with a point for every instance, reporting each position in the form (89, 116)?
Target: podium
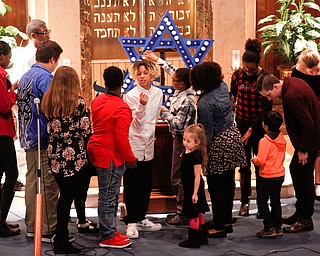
(162, 198)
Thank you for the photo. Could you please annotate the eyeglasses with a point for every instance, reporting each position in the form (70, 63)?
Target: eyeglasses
(251, 71)
(175, 80)
(46, 32)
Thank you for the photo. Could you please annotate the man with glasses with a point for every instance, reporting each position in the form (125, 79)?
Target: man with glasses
(37, 32)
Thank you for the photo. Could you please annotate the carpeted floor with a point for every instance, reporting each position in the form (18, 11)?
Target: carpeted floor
(164, 243)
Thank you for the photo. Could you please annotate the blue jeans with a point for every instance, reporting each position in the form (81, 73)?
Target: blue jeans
(109, 180)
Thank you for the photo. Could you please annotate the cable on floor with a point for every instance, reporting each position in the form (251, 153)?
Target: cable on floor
(271, 252)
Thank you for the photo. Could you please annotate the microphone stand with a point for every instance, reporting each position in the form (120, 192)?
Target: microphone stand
(39, 196)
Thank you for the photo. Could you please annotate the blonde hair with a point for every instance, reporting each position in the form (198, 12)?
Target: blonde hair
(61, 99)
(197, 130)
(309, 58)
(149, 65)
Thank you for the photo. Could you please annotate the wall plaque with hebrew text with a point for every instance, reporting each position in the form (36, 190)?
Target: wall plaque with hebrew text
(134, 18)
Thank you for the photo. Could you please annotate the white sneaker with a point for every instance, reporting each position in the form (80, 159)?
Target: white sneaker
(132, 231)
(148, 225)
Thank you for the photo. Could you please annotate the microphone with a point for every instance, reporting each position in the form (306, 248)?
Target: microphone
(36, 102)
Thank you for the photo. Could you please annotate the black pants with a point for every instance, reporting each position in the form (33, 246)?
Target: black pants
(270, 188)
(221, 188)
(137, 190)
(85, 175)
(68, 187)
(8, 165)
(250, 147)
(302, 179)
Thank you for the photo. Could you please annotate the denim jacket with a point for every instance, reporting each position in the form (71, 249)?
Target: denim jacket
(215, 111)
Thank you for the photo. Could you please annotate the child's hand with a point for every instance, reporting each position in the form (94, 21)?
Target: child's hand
(148, 54)
(163, 108)
(144, 98)
(246, 136)
(14, 85)
(132, 165)
(254, 160)
(194, 198)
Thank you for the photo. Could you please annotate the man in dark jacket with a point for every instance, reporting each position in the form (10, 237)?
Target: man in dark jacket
(302, 119)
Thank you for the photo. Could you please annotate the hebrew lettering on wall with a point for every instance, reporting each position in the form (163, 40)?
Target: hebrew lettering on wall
(113, 18)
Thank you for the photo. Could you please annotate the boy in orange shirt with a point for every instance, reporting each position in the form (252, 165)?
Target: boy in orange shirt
(271, 154)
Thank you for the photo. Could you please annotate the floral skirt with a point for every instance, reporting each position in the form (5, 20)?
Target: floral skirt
(226, 152)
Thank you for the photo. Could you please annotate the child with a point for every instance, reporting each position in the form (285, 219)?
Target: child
(194, 159)
(145, 102)
(271, 154)
(111, 119)
(182, 113)
(8, 159)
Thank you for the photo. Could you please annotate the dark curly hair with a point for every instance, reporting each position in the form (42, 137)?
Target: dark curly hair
(253, 50)
(206, 76)
(5, 49)
(113, 77)
(183, 75)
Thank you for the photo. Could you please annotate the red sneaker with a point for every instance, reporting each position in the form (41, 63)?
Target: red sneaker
(115, 242)
(121, 236)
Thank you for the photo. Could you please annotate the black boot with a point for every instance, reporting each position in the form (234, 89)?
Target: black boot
(62, 245)
(203, 232)
(5, 230)
(193, 239)
(6, 197)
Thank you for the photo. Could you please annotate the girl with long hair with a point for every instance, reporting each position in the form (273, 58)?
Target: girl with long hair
(193, 164)
(68, 128)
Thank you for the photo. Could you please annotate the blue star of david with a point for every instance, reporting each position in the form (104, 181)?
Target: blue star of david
(157, 41)
(129, 44)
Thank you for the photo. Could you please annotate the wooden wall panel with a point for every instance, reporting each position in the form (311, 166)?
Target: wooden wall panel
(18, 17)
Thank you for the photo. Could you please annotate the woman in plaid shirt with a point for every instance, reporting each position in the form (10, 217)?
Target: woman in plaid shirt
(250, 107)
